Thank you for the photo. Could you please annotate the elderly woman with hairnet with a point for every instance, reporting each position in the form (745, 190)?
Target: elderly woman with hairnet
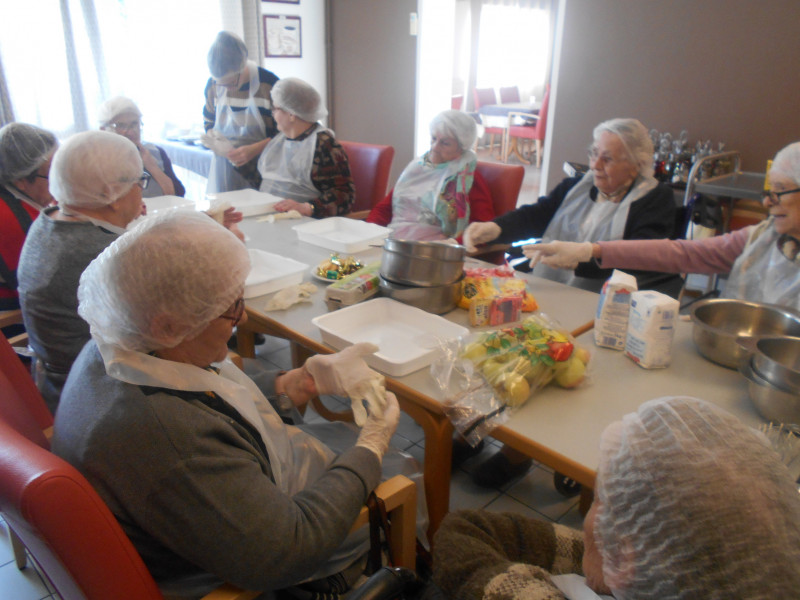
(26, 152)
(689, 504)
(440, 192)
(763, 261)
(617, 199)
(122, 116)
(239, 108)
(97, 178)
(304, 164)
(185, 449)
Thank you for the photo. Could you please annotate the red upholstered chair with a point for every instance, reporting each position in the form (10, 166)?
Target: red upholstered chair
(483, 97)
(457, 101)
(370, 165)
(509, 94)
(534, 129)
(505, 182)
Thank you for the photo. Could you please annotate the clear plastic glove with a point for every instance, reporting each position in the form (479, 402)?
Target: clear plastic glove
(560, 255)
(346, 374)
(290, 296)
(480, 233)
(379, 429)
(216, 142)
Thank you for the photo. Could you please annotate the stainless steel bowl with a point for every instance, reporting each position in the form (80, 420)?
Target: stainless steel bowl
(422, 263)
(771, 402)
(777, 359)
(719, 322)
(436, 299)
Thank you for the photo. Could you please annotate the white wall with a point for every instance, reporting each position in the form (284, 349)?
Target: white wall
(311, 67)
(722, 69)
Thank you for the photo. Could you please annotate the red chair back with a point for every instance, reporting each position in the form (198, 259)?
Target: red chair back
(484, 96)
(64, 524)
(370, 165)
(509, 94)
(505, 182)
(456, 102)
(541, 124)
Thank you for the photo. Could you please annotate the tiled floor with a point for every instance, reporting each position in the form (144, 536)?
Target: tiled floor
(532, 494)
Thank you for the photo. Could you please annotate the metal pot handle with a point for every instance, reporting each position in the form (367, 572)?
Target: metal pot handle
(748, 342)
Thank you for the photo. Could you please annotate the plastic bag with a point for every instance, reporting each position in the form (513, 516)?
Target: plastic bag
(486, 376)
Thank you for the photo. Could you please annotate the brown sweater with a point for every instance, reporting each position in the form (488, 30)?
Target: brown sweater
(481, 555)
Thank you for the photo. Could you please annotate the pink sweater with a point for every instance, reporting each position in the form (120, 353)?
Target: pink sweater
(709, 255)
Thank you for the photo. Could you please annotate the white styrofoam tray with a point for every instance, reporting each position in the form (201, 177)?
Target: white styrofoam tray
(249, 202)
(341, 234)
(160, 203)
(408, 338)
(271, 272)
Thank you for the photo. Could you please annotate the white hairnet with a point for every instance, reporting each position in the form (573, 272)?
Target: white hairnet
(694, 504)
(787, 163)
(114, 107)
(299, 98)
(162, 282)
(636, 140)
(457, 124)
(94, 169)
(228, 54)
(23, 149)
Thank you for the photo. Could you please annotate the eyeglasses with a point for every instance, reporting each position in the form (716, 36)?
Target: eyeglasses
(42, 176)
(129, 126)
(775, 197)
(235, 312)
(144, 180)
(228, 84)
(595, 155)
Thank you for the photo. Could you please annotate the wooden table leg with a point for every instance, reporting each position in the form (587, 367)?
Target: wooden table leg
(587, 497)
(245, 342)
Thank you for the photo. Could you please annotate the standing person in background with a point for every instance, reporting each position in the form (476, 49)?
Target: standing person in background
(304, 164)
(122, 116)
(238, 107)
(26, 152)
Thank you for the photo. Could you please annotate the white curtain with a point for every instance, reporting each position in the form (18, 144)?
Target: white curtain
(61, 59)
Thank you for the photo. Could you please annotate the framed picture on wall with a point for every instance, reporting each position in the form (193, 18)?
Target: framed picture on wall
(283, 1)
(282, 36)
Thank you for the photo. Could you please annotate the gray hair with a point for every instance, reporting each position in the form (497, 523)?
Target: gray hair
(23, 149)
(114, 107)
(457, 124)
(787, 163)
(635, 139)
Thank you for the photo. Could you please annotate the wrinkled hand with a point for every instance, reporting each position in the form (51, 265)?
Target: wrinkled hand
(244, 154)
(560, 255)
(379, 429)
(480, 233)
(285, 205)
(346, 374)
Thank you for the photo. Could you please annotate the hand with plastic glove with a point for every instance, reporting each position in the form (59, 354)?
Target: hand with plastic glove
(379, 429)
(560, 255)
(346, 374)
(480, 233)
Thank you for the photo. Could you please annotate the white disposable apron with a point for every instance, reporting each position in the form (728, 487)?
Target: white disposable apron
(285, 166)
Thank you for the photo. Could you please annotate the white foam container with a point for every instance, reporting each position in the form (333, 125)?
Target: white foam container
(271, 272)
(341, 234)
(249, 202)
(160, 203)
(408, 338)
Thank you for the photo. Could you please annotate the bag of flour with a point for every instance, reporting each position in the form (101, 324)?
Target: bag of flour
(611, 320)
(651, 325)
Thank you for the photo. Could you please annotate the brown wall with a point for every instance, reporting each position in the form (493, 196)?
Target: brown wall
(722, 69)
(373, 72)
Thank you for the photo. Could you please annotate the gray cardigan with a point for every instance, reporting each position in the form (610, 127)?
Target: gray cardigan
(193, 489)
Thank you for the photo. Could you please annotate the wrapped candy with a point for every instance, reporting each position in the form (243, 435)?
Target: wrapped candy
(336, 268)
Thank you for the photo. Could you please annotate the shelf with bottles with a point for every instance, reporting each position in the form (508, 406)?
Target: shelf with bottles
(673, 158)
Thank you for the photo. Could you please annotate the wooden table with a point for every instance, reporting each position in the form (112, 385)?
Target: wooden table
(560, 428)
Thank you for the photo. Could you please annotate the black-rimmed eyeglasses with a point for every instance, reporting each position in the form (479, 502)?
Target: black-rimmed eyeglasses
(775, 197)
(144, 180)
(235, 312)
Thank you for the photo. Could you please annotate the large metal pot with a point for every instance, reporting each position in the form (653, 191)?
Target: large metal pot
(437, 299)
(422, 263)
(719, 322)
(773, 403)
(777, 359)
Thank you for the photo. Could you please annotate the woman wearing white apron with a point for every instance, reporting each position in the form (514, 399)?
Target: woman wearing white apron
(762, 260)
(188, 453)
(440, 192)
(304, 164)
(618, 199)
(238, 108)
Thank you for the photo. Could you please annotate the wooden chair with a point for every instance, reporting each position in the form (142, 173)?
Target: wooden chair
(370, 165)
(484, 97)
(74, 537)
(13, 317)
(524, 126)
